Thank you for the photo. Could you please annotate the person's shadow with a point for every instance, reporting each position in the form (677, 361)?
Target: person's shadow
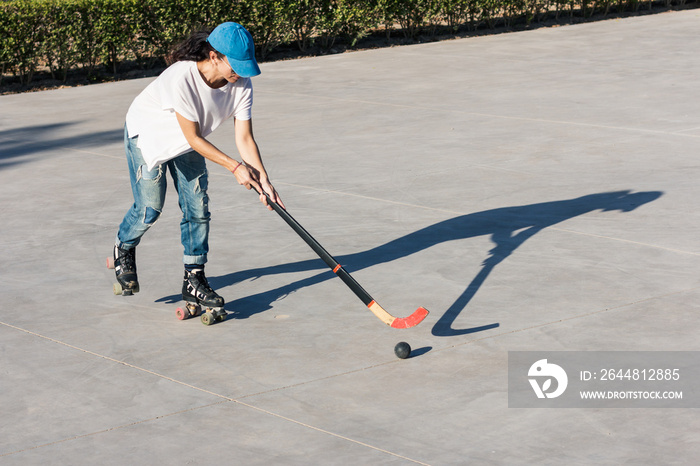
(508, 228)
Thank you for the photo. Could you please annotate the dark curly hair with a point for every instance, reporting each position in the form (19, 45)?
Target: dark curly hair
(193, 48)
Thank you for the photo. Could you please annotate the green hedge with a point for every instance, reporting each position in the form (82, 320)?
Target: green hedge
(63, 35)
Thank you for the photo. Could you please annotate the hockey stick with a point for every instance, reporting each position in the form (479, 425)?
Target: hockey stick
(394, 322)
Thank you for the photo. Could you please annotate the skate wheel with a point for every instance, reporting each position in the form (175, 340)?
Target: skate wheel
(208, 318)
(221, 317)
(182, 314)
(110, 262)
(117, 288)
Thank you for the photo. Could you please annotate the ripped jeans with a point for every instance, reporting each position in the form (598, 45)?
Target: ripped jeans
(189, 173)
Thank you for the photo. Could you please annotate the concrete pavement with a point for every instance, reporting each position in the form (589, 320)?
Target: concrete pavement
(536, 191)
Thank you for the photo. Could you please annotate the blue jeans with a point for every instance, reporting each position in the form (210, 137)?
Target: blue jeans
(189, 173)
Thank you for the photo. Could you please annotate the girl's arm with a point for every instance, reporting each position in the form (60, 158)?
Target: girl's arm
(248, 148)
(251, 174)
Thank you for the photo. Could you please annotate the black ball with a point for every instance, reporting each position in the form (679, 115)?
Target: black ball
(402, 350)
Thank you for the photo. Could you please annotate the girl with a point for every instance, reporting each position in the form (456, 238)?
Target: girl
(166, 129)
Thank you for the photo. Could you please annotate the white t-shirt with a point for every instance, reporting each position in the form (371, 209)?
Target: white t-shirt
(180, 88)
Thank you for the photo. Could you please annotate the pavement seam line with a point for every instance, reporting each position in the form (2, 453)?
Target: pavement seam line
(490, 115)
(318, 429)
(436, 209)
(83, 151)
(225, 399)
(135, 423)
(625, 241)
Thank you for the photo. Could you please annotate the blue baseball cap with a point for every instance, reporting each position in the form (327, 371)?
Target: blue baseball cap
(234, 41)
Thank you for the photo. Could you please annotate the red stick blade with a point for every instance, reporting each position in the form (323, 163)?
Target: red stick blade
(412, 320)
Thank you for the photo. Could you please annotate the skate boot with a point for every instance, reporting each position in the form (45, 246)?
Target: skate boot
(197, 293)
(124, 264)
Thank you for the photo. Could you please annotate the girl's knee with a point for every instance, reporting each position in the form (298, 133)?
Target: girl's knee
(199, 210)
(151, 215)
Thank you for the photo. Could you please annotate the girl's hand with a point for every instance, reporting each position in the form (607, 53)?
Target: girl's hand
(250, 178)
(270, 190)
(246, 176)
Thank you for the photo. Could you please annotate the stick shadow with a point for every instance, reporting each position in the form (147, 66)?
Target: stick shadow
(508, 228)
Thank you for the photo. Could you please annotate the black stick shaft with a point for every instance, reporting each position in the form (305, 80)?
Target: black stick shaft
(322, 253)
